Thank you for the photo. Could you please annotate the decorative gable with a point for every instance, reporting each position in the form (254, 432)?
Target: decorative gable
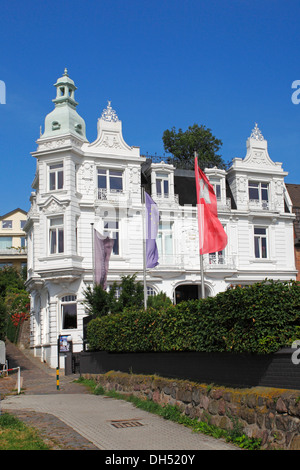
(110, 139)
(54, 206)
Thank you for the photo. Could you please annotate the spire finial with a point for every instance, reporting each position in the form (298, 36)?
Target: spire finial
(109, 114)
(256, 133)
(66, 72)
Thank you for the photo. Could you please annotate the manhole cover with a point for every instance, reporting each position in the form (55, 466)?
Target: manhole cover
(126, 423)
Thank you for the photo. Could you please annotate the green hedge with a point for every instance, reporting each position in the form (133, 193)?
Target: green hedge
(261, 318)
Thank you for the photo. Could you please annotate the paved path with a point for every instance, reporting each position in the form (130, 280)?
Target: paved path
(72, 418)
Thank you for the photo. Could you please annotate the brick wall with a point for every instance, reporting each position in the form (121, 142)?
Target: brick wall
(297, 261)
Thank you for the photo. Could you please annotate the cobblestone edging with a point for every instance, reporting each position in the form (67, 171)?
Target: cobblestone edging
(270, 414)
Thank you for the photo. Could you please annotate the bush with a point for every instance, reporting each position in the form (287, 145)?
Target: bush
(2, 320)
(18, 310)
(261, 318)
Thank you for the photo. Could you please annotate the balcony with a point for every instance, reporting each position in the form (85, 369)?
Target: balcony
(257, 205)
(224, 205)
(166, 199)
(220, 262)
(112, 196)
(8, 252)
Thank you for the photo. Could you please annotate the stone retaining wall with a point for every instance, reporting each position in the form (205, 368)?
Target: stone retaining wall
(272, 415)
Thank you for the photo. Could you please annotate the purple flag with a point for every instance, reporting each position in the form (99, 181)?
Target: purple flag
(152, 220)
(103, 249)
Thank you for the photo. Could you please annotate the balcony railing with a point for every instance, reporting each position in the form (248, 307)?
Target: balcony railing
(257, 205)
(171, 261)
(218, 262)
(166, 199)
(105, 195)
(13, 251)
(184, 262)
(224, 205)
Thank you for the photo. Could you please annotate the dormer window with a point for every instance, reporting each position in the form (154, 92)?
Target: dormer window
(162, 184)
(217, 190)
(258, 194)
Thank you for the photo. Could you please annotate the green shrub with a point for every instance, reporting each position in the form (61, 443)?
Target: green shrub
(261, 318)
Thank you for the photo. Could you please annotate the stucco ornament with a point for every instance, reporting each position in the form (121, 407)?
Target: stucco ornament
(109, 114)
(256, 133)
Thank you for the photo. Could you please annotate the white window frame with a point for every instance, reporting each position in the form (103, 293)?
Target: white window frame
(162, 234)
(113, 232)
(56, 229)
(107, 173)
(217, 190)
(260, 186)
(69, 299)
(258, 239)
(55, 171)
(160, 179)
(151, 291)
(7, 224)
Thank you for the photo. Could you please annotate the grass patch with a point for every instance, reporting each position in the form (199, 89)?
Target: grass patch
(173, 413)
(15, 435)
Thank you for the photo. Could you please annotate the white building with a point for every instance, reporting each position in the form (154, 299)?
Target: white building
(78, 183)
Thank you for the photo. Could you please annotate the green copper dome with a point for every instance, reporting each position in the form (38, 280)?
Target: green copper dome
(64, 119)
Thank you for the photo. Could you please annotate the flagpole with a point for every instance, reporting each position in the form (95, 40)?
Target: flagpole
(93, 254)
(201, 259)
(199, 213)
(144, 246)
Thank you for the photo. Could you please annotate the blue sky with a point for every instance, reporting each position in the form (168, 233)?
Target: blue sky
(223, 64)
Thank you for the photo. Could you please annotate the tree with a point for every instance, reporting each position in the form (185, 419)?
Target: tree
(183, 145)
(99, 302)
(10, 278)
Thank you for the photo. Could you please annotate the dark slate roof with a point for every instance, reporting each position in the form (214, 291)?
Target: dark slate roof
(294, 192)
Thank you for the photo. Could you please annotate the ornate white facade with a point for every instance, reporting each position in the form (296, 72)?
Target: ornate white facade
(78, 183)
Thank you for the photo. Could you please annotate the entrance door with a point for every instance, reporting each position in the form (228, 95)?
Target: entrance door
(189, 292)
(186, 292)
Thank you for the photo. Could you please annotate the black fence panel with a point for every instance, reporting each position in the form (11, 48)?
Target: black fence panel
(231, 370)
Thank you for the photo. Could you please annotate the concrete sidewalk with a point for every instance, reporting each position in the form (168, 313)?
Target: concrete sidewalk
(106, 423)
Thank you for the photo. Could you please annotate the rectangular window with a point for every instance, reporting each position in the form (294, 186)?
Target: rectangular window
(109, 181)
(164, 241)
(217, 190)
(7, 223)
(162, 184)
(112, 230)
(69, 312)
(5, 243)
(22, 224)
(56, 177)
(260, 242)
(258, 193)
(56, 235)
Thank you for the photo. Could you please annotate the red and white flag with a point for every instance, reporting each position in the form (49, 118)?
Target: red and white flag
(212, 236)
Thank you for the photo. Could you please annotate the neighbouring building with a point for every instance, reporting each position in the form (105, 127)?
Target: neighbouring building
(79, 183)
(13, 249)
(294, 192)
